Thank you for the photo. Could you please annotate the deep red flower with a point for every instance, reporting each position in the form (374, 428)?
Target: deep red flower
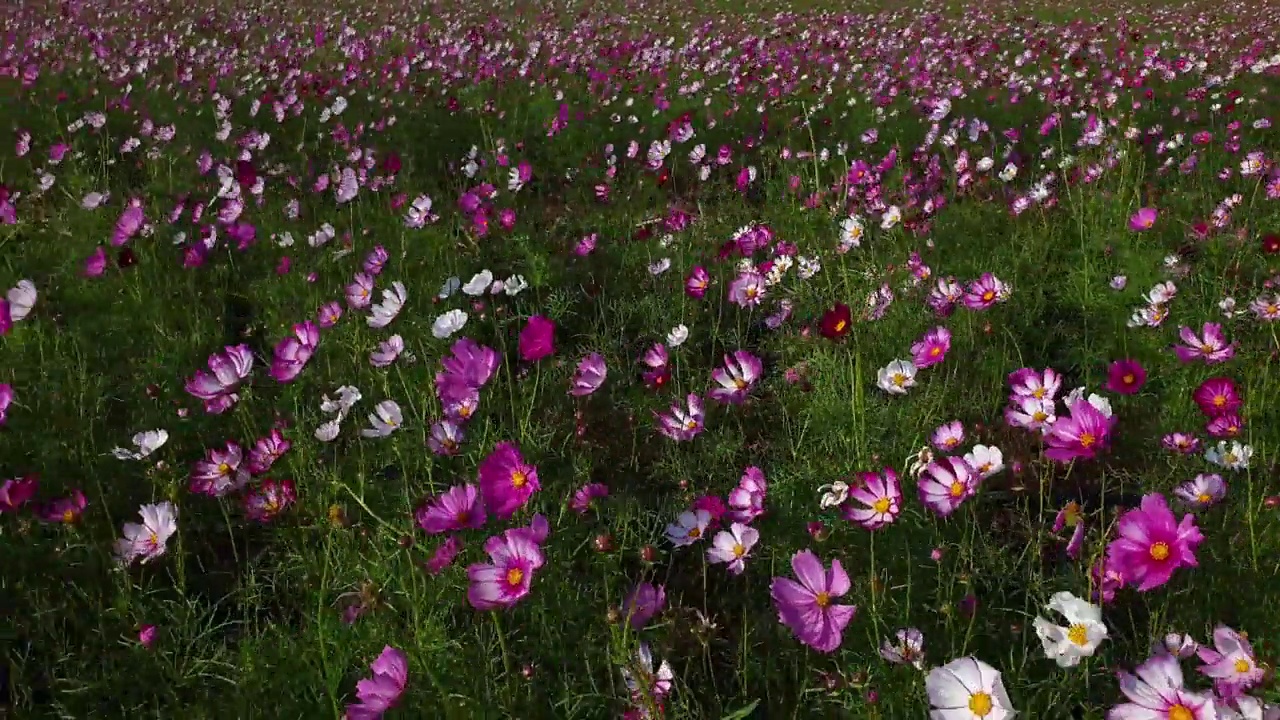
(835, 323)
(1271, 243)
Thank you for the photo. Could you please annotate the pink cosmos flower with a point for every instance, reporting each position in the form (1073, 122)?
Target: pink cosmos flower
(1230, 663)
(1126, 377)
(697, 283)
(1081, 434)
(269, 499)
(1203, 491)
(16, 492)
(1181, 443)
(932, 348)
(506, 481)
(984, 292)
(1071, 516)
(294, 352)
(1210, 345)
(458, 508)
(1156, 692)
(947, 437)
(266, 451)
(147, 636)
(219, 473)
(501, 583)
(6, 399)
(748, 289)
(1028, 383)
(807, 606)
(1144, 219)
(382, 689)
(443, 556)
(656, 358)
(537, 340)
(128, 224)
(733, 546)
(682, 423)
(147, 541)
(227, 370)
(746, 501)
(642, 603)
(387, 352)
(1152, 544)
(446, 437)
(329, 314)
(64, 510)
(360, 291)
(946, 483)
(590, 375)
(1217, 396)
(881, 497)
(1224, 426)
(472, 362)
(586, 495)
(734, 381)
(375, 261)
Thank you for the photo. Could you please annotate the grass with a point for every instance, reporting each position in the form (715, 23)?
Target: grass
(249, 616)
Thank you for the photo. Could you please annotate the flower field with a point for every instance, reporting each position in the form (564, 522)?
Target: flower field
(647, 360)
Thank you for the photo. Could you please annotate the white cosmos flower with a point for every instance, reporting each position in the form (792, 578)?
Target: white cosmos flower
(1233, 457)
(448, 323)
(348, 396)
(385, 419)
(21, 299)
(147, 442)
(515, 285)
(1079, 638)
(967, 689)
(387, 352)
(986, 459)
(677, 336)
(896, 377)
(449, 288)
(478, 284)
(393, 300)
(328, 431)
(834, 494)
(659, 267)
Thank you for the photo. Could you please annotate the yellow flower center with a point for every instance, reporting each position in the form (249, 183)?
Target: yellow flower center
(751, 293)
(1128, 379)
(882, 505)
(1160, 551)
(1040, 416)
(1206, 348)
(691, 424)
(899, 379)
(153, 540)
(68, 516)
(957, 488)
(1087, 440)
(936, 351)
(841, 325)
(980, 704)
(464, 411)
(1219, 400)
(695, 533)
(518, 479)
(823, 600)
(515, 576)
(1078, 635)
(1038, 393)
(1242, 666)
(1204, 498)
(740, 383)
(987, 297)
(1180, 712)
(739, 550)
(223, 468)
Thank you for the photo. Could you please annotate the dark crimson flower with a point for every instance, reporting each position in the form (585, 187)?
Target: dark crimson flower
(836, 322)
(1271, 243)
(1126, 377)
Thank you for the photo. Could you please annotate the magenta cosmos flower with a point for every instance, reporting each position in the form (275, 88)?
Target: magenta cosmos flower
(1217, 396)
(16, 492)
(266, 451)
(1230, 663)
(880, 496)
(1210, 345)
(458, 508)
(537, 340)
(590, 375)
(6, 399)
(269, 499)
(1155, 692)
(294, 352)
(734, 381)
(807, 606)
(1126, 377)
(501, 583)
(683, 423)
(932, 348)
(1144, 219)
(382, 689)
(642, 603)
(946, 483)
(506, 480)
(746, 501)
(217, 388)
(748, 289)
(1081, 434)
(1152, 544)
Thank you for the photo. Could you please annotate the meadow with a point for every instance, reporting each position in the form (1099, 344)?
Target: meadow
(639, 359)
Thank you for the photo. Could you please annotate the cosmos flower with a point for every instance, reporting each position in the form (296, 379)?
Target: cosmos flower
(514, 557)
(506, 481)
(148, 541)
(806, 604)
(457, 508)
(383, 688)
(733, 381)
(733, 546)
(878, 497)
(1155, 691)
(1152, 544)
(590, 375)
(1126, 377)
(537, 339)
(1079, 638)
(967, 689)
